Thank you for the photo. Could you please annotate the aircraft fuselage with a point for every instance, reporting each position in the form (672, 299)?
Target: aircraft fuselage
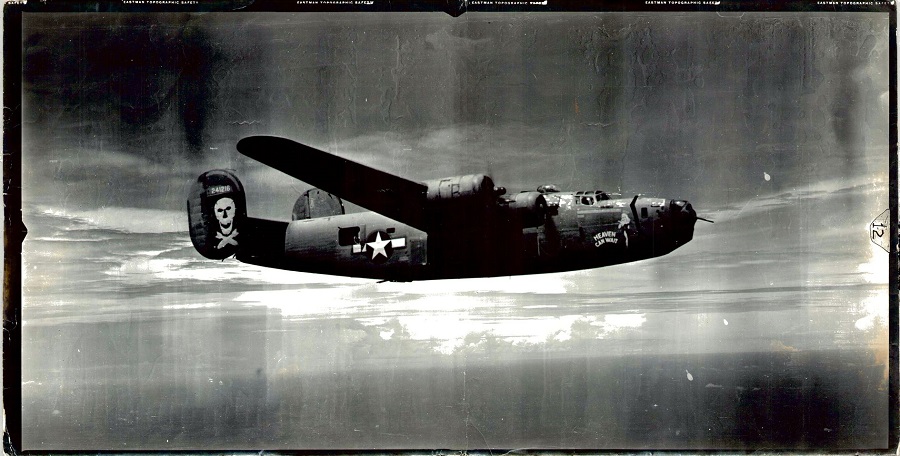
(580, 232)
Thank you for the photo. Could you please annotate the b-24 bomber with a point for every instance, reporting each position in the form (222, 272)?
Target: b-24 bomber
(455, 227)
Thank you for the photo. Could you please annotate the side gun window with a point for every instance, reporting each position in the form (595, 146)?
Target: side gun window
(348, 236)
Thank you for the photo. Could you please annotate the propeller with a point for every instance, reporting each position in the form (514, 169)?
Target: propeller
(705, 220)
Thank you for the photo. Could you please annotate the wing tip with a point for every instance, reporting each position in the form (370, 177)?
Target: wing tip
(251, 144)
(259, 146)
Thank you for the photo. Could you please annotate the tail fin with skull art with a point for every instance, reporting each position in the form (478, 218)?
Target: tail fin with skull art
(217, 213)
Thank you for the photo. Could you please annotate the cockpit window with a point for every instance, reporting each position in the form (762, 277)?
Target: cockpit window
(587, 200)
(548, 188)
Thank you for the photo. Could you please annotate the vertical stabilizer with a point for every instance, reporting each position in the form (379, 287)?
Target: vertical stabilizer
(217, 212)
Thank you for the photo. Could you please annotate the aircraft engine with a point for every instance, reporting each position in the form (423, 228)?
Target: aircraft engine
(477, 187)
(217, 210)
(530, 207)
(461, 205)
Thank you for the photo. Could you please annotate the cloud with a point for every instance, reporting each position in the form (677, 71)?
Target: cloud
(874, 186)
(123, 219)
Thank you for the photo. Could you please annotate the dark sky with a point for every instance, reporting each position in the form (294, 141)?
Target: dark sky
(123, 110)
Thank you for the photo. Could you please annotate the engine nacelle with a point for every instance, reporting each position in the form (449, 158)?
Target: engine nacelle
(529, 207)
(476, 187)
(217, 210)
(315, 203)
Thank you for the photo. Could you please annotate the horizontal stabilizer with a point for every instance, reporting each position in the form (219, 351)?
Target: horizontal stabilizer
(392, 196)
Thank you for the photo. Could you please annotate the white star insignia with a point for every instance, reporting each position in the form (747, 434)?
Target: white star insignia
(378, 246)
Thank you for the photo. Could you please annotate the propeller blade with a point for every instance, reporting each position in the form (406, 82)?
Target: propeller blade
(705, 220)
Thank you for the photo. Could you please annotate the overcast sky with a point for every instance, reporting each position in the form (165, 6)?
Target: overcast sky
(123, 110)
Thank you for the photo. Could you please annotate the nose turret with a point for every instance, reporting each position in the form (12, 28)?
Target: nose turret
(684, 217)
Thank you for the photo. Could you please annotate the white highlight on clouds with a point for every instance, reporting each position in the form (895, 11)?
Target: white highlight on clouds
(818, 191)
(446, 312)
(128, 219)
(547, 284)
(306, 303)
(875, 269)
(451, 329)
(231, 269)
(874, 308)
(145, 266)
(613, 322)
(208, 305)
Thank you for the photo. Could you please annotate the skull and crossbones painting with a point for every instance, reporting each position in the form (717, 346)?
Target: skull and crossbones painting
(224, 210)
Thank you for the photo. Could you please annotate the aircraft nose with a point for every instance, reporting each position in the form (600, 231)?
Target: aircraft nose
(689, 212)
(684, 209)
(685, 218)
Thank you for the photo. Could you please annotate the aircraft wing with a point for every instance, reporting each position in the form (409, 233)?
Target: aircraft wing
(392, 196)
